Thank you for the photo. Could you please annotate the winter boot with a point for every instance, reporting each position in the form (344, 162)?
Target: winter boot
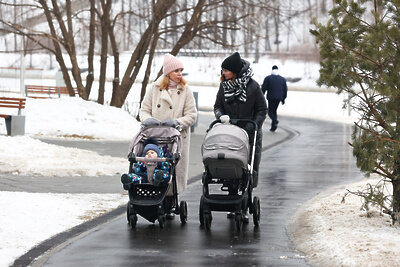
(126, 180)
(274, 126)
(158, 178)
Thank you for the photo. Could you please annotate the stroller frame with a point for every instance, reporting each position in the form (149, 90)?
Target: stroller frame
(150, 201)
(239, 202)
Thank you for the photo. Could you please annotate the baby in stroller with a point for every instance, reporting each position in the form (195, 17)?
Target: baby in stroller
(153, 155)
(161, 174)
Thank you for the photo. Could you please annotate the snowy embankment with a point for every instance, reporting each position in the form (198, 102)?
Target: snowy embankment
(332, 233)
(63, 118)
(30, 218)
(22, 214)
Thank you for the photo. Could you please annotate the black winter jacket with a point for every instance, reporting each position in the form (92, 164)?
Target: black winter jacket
(275, 86)
(255, 107)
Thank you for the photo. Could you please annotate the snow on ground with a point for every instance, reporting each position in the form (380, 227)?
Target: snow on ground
(74, 116)
(29, 218)
(65, 117)
(340, 234)
(332, 233)
(22, 213)
(39, 158)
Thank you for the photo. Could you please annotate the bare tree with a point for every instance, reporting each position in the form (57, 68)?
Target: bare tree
(120, 93)
(105, 31)
(147, 26)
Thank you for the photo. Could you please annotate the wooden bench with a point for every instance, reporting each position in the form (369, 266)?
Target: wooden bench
(15, 124)
(34, 90)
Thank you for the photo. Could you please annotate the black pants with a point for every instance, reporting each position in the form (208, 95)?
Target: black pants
(257, 154)
(249, 128)
(257, 159)
(272, 108)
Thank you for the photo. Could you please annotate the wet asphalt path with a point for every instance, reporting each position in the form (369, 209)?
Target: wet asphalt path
(316, 158)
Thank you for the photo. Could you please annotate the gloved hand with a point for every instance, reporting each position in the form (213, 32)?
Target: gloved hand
(150, 122)
(224, 119)
(171, 123)
(283, 102)
(249, 128)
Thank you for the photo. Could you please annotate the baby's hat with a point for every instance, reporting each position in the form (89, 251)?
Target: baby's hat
(151, 144)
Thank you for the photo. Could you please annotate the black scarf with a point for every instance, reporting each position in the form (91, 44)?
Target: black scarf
(237, 88)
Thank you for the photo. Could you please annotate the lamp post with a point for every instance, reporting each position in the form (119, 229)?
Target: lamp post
(22, 70)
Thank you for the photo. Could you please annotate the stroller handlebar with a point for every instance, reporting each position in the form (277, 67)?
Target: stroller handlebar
(174, 157)
(151, 159)
(235, 122)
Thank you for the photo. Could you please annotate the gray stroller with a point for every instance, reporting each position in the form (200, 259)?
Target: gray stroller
(148, 200)
(228, 158)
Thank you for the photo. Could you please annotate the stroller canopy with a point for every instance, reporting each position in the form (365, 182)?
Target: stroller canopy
(165, 135)
(225, 151)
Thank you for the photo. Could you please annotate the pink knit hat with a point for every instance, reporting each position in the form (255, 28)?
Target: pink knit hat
(171, 63)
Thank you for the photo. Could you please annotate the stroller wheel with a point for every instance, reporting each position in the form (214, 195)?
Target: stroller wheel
(133, 220)
(183, 212)
(161, 221)
(207, 220)
(201, 210)
(239, 221)
(256, 211)
(127, 212)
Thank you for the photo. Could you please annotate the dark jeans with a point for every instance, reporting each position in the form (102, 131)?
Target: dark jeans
(272, 108)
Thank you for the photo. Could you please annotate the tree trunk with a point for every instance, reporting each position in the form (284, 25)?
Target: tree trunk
(323, 7)
(105, 26)
(173, 23)
(267, 43)
(277, 22)
(92, 29)
(246, 41)
(15, 21)
(69, 44)
(148, 69)
(114, 47)
(396, 201)
(57, 48)
(129, 39)
(225, 23)
(289, 26)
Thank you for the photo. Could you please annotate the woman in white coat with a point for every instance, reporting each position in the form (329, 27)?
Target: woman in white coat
(169, 101)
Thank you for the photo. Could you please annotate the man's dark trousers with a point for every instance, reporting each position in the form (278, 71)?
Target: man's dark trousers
(272, 107)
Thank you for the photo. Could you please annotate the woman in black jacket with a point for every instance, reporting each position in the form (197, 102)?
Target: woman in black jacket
(240, 97)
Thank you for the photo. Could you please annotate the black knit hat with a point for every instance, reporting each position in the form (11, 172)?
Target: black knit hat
(233, 63)
(274, 67)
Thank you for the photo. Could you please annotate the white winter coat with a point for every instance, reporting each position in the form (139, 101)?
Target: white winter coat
(179, 104)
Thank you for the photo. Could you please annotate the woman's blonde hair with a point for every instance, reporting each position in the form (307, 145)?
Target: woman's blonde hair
(165, 82)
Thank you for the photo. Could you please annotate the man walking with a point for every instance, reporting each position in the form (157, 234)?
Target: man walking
(276, 88)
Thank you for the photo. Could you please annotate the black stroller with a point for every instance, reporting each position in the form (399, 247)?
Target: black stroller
(145, 199)
(228, 160)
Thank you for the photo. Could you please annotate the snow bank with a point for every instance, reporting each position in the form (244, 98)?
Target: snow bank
(332, 233)
(23, 155)
(29, 218)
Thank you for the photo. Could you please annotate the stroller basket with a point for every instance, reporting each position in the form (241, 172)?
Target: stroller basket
(147, 193)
